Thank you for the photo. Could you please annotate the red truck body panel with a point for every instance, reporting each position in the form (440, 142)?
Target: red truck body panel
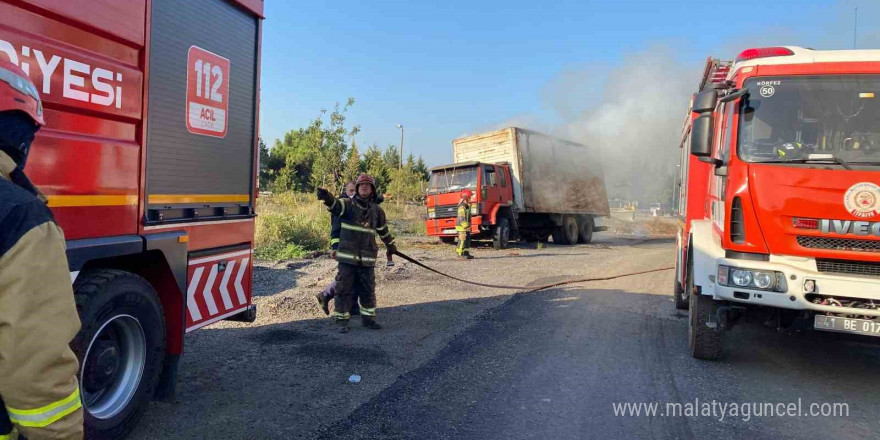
(91, 63)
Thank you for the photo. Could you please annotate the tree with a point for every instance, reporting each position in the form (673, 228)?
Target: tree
(353, 166)
(392, 157)
(265, 175)
(328, 168)
(421, 169)
(375, 166)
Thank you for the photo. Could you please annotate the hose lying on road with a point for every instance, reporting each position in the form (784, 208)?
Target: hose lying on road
(528, 288)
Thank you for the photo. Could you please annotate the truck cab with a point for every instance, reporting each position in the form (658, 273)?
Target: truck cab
(780, 161)
(491, 202)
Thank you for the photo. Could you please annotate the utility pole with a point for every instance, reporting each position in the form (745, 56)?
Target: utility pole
(400, 163)
(855, 27)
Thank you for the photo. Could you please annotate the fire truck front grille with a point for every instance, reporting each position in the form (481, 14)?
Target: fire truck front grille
(849, 267)
(839, 244)
(445, 211)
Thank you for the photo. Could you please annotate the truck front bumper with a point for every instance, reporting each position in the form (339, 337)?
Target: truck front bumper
(797, 272)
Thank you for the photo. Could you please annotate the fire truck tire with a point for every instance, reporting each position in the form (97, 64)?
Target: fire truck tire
(448, 240)
(501, 234)
(705, 343)
(585, 230)
(120, 348)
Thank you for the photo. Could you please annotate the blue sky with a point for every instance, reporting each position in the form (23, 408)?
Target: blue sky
(443, 69)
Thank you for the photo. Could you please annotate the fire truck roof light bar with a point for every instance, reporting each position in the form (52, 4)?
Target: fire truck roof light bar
(763, 52)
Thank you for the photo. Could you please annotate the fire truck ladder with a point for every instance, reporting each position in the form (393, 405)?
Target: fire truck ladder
(715, 72)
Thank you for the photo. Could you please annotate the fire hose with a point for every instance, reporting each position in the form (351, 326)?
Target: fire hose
(528, 288)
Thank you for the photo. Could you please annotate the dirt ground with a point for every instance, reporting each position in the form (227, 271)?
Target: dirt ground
(287, 374)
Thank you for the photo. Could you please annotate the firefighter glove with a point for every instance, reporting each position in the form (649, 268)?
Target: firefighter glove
(325, 196)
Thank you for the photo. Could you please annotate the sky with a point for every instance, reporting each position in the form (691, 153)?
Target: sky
(447, 69)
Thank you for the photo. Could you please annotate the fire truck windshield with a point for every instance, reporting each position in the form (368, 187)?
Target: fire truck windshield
(797, 119)
(453, 179)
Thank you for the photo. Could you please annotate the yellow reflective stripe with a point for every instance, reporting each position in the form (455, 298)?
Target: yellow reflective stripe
(333, 205)
(358, 229)
(46, 415)
(343, 206)
(5, 436)
(367, 311)
(339, 315)
(334, 241)
(386, 235)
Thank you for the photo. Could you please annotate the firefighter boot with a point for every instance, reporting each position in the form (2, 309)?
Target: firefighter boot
(370, 322)
(323, 302)
(342, 325)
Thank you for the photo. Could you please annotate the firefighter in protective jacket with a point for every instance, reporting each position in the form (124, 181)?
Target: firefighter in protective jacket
(361, 220)
(463, 225)
(38, 319)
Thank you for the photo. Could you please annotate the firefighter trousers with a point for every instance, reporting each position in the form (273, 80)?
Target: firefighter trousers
(355, 284)
(464, 243)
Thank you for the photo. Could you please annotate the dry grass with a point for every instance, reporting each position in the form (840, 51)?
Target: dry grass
(297, 225)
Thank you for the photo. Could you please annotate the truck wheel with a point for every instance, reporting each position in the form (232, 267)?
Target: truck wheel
(501, 234)
(585, 230)
(568, 232)
(448, 240)
(705, 343)
(120, 348)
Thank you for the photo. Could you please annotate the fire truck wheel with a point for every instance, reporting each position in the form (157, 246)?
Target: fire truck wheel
(501, 234)
(705, 343)
(585, 230)
(120, 348)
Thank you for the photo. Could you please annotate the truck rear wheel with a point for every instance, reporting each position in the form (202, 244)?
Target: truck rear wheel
(585, 230)
(501, 234)
(567, 233)
(120, 348)
(705, 343)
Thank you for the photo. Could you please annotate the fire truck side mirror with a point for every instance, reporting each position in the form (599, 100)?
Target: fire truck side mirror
(701, 135)
(705, 101)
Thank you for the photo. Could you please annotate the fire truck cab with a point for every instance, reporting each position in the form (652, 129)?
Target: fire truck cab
(780, 196)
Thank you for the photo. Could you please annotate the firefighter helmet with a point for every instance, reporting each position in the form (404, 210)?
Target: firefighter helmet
(17, 92)
(466, 194)
(364, 178)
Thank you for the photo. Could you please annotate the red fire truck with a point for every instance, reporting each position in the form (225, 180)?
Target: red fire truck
(780, 172)
(148, 159)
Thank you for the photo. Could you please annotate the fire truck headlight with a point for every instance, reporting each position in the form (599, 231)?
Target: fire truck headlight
(741, 278)
(753, 279)
(763, 280)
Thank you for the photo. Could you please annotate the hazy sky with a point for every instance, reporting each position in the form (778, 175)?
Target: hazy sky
(444, 69)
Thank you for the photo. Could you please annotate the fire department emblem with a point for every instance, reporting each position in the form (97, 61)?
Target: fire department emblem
(863, 200)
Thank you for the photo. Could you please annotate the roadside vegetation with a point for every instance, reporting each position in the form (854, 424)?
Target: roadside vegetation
(291, 223)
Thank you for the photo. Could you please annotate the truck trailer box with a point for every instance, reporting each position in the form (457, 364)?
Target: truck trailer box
(550, 175)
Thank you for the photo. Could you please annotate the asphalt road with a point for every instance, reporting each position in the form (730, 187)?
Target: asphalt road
(545, 365)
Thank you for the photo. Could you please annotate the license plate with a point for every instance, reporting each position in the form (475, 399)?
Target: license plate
(847, 325)
(449, 231)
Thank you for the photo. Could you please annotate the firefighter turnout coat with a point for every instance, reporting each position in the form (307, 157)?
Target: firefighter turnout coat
(360, 222)
(38, 318)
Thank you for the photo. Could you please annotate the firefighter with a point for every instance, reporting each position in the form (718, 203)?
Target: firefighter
(38, 319)
(361, 219)
(325, 296)
(463, 225)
